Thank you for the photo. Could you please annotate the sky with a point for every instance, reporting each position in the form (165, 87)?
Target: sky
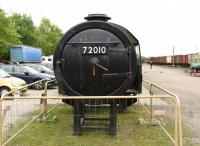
(159, 25)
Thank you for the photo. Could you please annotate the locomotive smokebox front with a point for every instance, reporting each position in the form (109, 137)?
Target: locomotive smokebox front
(97, 58)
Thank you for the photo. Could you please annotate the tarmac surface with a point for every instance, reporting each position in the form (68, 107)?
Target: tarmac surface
(187, 87)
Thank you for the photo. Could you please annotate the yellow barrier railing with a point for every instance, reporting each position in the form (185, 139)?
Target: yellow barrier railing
(177, 141)
(178, 125)
(4, 97)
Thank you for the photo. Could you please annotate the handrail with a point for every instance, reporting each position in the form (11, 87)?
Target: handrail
(88, 97)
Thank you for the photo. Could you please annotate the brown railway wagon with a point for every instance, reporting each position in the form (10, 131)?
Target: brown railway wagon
(155, 60)
(158, 60)
(163, 60)
(180, 59)
(184, 60)
(176, 59)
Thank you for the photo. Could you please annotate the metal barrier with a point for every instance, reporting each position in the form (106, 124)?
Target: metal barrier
(176, 140)
(178, 126)
(15, 116)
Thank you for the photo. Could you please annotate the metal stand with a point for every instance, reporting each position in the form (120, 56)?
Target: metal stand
(79, 118)
(113, 114)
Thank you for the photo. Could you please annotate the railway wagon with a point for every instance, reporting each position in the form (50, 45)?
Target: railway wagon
(181, 60)
(184, 61)
(98, 58)
(163, 60)
(169, 60)
(158, 60)
(155, 60)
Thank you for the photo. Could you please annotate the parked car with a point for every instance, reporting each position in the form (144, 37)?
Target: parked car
(41, 68)
(8, 83)
(29, 75)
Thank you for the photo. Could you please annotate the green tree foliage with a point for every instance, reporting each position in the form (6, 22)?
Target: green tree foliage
(20, 29)
(25, 27)
(48, 36)
(8, 35)
(144, 59)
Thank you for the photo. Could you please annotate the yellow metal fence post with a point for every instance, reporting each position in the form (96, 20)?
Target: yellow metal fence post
(151, 106)
(44, 100)
(1, 123)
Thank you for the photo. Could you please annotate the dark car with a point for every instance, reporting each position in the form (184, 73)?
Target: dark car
(28, 74)
(41, 68)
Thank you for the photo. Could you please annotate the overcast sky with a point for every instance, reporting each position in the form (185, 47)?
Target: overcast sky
(158, 24)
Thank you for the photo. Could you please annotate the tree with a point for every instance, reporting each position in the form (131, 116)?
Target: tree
(144, 59)
(8, 35)
(48, 36)
(25, 27)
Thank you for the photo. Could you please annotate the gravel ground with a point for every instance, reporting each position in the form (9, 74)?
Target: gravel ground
(186, 87)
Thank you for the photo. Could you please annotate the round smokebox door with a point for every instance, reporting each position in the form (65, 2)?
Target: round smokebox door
(93, 60)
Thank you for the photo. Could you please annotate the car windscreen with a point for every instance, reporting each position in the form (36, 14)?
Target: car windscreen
(4, 74)
(31, 70)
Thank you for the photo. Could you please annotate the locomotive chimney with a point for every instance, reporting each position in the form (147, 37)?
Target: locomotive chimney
(101, 17)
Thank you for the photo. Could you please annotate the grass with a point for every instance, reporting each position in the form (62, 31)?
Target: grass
(60, 132)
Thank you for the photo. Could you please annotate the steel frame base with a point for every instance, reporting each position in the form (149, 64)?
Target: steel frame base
(80, 118)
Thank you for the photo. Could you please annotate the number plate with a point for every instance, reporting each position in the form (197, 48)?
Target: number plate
(99, 50)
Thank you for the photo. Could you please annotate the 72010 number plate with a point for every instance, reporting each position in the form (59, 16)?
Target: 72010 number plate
(94, 50)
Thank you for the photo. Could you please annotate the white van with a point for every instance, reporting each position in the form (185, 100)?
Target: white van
(47, 61)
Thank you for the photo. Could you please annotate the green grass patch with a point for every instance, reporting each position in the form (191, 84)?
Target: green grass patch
(60, 132)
